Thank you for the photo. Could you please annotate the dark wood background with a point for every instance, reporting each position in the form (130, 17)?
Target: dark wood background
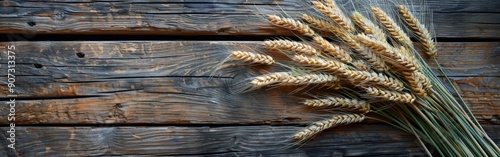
(136, 78)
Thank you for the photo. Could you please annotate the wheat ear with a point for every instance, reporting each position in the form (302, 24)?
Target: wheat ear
(420, 31)
(419, 83)
(292, 24)
(374, 59)
(322, 125)
(361, 65)
(338, 102)
(334, 13)
(288, 45)
(368, 27)
(394, 30)
(253, 57)
(334, 67)
(318, 23)
(389, 52)
(390, 95)
(333, 49)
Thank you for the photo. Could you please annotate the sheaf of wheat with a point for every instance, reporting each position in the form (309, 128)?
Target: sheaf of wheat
(381, 67)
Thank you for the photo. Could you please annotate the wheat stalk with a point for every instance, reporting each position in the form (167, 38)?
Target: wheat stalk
(253, 57)
(390, 95)
(335, 50)
(319, 23)
(368, 27)
(432, 108)
(419, 83)
(361, 65)
(419, 29)
(354, 76)
(372, 78)
(338, 102)
(394, 30)
(292, 24)
(322, 125)
(334, 67)
(389, 52)
(335, 14)
(288, 45)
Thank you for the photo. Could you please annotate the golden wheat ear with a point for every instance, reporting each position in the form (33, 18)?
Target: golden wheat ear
(335, 14)
(397, 60)
(334, 50)
(323, 125)
(419, 83)
(392, 27)
(388, 95)
(421, 32)
(251, 57)
(339, 102)
(288, 78)
(368, 27)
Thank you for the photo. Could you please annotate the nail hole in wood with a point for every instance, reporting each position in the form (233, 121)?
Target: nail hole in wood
(38, 66)
(32, 23)
(80, 55)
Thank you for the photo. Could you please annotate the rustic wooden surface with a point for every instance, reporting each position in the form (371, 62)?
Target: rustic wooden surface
(80, 98)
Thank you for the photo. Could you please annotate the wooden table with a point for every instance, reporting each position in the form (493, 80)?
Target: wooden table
(136, 78)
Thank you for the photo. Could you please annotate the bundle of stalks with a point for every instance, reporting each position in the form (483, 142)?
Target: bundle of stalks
(384, 74)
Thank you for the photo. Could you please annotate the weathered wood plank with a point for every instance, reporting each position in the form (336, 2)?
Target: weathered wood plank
(155, 82)
(452, 19)
(352, 140)
(184, 100)
(105, 59)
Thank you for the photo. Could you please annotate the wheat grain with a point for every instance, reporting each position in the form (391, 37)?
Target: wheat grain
(420, 31)
(394, 30)
(338, 102)
(288, 45)
(386, 50)
(292, 24)
(253, 57)
(333, 49)
(322, 125)
(390, 95)
(335, 14)
(368, 27)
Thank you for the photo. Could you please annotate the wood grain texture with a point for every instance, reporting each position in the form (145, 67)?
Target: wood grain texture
(352, 140)
(452, 19)
(132, 82)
